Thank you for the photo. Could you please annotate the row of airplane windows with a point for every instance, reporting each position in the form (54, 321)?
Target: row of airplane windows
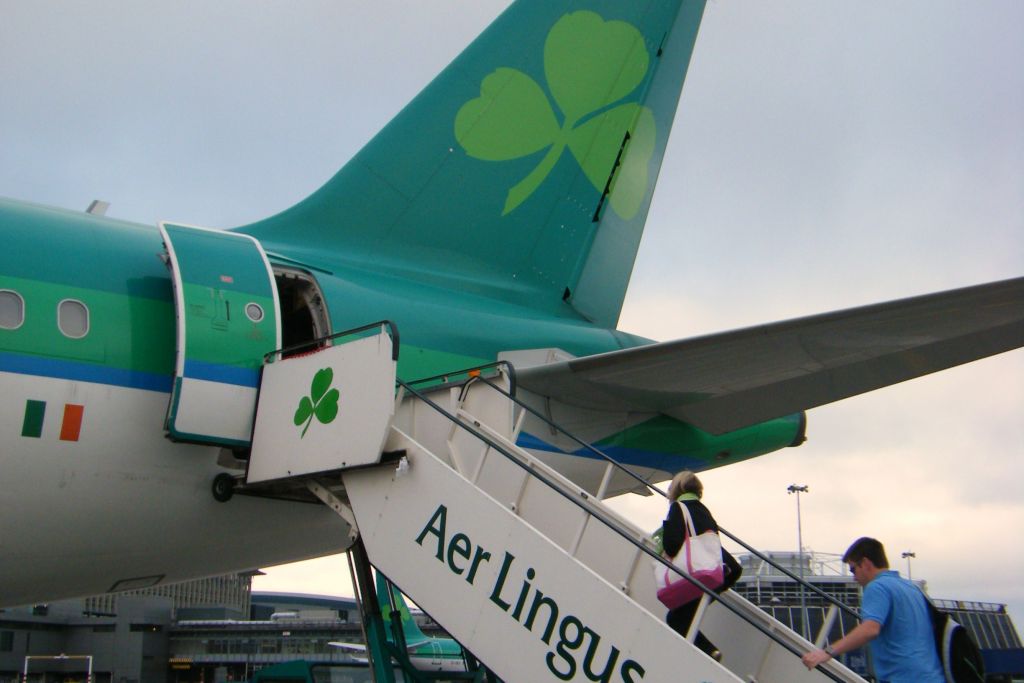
(72, 314)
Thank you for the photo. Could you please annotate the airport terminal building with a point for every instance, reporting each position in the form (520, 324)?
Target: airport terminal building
(217, 630)
(206, 631)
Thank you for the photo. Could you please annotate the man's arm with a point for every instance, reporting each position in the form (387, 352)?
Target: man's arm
(865, 632)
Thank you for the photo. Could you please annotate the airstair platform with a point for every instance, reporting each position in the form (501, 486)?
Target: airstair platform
(532, 574)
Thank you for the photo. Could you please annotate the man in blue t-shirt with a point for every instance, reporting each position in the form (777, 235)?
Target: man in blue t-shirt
(894, 619)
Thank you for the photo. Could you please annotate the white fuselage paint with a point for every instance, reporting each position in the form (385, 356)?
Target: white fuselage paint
(123, 502)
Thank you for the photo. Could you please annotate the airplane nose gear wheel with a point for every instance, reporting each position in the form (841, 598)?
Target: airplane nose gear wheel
(223, 487)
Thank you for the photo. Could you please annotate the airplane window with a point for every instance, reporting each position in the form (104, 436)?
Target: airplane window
(12, 310)
(254, 312)
(73, 318)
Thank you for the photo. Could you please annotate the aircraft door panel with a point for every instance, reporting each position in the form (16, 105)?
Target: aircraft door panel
(228, 317)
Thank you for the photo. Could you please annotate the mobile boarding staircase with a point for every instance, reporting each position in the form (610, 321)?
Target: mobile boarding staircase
(530, 573)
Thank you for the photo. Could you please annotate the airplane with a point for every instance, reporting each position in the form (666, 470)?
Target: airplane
(426, 653)
(497, 216)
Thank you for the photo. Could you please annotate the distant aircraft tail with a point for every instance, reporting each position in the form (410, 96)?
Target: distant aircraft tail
(525, 170)
(410, 628)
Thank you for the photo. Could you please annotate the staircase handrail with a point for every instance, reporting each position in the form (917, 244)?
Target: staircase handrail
(320, 342)
(475, 372)
(615, 463)
(610, 524)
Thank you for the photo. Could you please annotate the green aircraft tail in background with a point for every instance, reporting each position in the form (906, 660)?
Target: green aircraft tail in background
(411, 630)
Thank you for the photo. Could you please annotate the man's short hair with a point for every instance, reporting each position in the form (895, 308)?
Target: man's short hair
(867, 547)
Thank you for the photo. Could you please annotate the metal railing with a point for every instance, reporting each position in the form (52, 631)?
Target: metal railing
(585, 504)
(654, 489)
(314, 345)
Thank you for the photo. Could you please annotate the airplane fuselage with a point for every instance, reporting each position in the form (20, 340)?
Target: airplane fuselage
(97, 498)
(497, 216)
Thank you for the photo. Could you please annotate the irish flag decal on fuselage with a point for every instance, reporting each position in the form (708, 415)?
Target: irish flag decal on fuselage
(35, 413)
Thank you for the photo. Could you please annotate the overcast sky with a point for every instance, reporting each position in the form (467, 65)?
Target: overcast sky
(825, 155)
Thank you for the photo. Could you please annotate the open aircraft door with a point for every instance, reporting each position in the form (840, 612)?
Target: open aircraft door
(228, 317)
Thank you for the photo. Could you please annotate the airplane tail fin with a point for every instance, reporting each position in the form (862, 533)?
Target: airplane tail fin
(525, 170)
(410, 628)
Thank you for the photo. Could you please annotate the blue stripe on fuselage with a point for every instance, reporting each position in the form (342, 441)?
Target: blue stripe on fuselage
(225, 374)
(120, 377)
(83, 372)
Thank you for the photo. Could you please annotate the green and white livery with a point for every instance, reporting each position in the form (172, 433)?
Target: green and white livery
(497, 216)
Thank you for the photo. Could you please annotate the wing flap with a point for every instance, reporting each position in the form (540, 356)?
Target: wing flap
(730, 380)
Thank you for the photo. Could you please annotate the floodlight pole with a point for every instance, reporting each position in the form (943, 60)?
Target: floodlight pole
(793, 488)
(907, 555)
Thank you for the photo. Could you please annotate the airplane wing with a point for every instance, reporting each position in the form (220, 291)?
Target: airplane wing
(356, 648)
(730, 380)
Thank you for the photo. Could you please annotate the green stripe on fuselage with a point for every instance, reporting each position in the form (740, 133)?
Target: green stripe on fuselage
(209, 314)
(111, 266)
(125, 332)
(220, 274)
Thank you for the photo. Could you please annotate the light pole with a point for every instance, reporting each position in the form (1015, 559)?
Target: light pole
(793, 488)
(907, 555)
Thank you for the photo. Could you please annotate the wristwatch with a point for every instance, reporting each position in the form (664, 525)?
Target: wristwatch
(830, 652)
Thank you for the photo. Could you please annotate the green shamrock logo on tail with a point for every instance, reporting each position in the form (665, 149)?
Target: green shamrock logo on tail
(320, 402)
(589, 65)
